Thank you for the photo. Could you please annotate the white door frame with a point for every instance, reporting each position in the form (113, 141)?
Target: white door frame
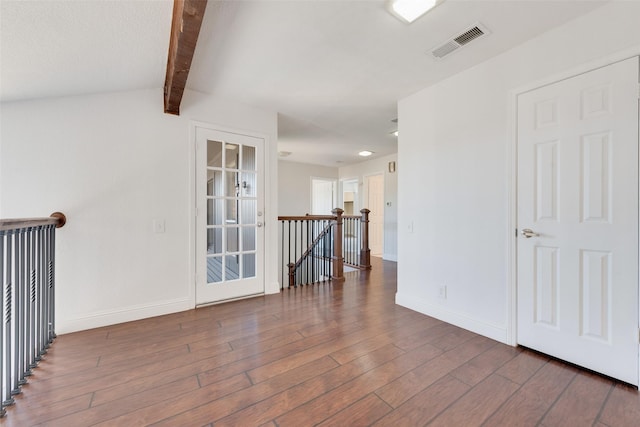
(512, 174)
(271, 285)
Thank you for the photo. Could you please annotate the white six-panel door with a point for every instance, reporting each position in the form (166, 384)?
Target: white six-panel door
(578, 195)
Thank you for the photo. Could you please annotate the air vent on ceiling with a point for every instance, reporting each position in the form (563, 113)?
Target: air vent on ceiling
(456, 42)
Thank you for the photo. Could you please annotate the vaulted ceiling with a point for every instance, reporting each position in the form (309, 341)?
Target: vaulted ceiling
(333, 70)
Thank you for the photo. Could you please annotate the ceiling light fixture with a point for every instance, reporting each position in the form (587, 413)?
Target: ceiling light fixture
(365, 153)
(410, 10)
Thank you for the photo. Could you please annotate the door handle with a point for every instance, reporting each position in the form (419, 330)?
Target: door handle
(528, 233)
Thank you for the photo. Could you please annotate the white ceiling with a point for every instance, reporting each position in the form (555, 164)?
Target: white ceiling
(334, 70)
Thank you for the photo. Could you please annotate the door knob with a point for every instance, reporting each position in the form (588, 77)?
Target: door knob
(528, 233)
(259, 224)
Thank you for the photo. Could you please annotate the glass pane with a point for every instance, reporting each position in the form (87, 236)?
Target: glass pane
(232, 212)
(232, 151)
(214, 183)
(215, 211)
(232, 185)
(248, 158)
(248, 265)
(214, 154)
(214, 241)
(248, 184)
(214, 269)
(248, 211)
(248, 238)
(233, 239)
(232, 271)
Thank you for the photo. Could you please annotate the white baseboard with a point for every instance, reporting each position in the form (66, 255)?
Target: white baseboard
(390, 257)
(487, 329)
(112, 317)
(272, 288)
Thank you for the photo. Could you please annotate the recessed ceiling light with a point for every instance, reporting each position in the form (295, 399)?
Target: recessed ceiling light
(410, 10)
(365, 153)
(284, 153)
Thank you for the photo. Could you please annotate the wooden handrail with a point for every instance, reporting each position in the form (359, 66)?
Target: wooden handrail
(57, 218)
(306, 218)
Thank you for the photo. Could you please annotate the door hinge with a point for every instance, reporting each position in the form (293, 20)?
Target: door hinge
(516, 232)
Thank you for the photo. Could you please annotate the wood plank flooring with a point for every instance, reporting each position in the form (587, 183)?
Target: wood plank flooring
(326, 355)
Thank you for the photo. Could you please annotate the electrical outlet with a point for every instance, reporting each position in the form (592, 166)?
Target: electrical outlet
(442, 291)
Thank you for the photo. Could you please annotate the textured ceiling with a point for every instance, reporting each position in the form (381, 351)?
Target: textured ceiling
(333, 70)
(58, 47)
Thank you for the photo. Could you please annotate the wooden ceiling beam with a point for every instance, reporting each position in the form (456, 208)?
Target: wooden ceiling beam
(185, 28)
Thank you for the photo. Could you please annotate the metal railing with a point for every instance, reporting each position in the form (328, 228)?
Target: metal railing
(355, 240)
(27, 280)
(315, 248)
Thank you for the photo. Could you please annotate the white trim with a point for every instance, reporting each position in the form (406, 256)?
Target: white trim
(512, 159)
(462, 320)
(390, 257)
(113, 317)
(274, 288)
(191, 280)
(271, 224)
(512, 219)
(577, 70)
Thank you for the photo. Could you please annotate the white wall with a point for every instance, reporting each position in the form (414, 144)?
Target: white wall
(113, 163)
(372, 167)
(454, 173)
(294, 186)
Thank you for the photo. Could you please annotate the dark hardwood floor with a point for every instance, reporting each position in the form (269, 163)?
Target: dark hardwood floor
(327, 355)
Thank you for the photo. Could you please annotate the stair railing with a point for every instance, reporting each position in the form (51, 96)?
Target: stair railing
(315, 248)
(27, 286)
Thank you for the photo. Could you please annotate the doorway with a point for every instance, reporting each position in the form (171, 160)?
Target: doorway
(350, 196)
(229, 216)
(323, 196)
(577, 220)
(374, 185)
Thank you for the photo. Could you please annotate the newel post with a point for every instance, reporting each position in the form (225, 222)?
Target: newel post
(365, 252)
(292, 274)
(338, 259)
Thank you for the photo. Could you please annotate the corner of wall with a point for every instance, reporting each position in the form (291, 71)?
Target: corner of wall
(490, 330)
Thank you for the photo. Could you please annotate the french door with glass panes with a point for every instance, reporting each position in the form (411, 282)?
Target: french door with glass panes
(229, 216)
